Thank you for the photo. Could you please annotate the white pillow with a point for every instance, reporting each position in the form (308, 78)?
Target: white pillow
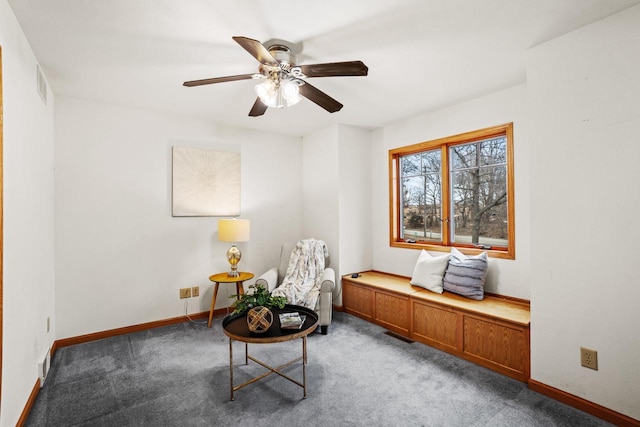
(429, 271)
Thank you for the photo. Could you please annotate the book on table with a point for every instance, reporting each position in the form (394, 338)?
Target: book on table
(291, 320)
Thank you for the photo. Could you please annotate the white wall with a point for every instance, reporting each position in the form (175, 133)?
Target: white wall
(337, 193)
(120, 255)
(28, 276)
(584, 112)
(506, 277)
(354, 193)
(320, 181)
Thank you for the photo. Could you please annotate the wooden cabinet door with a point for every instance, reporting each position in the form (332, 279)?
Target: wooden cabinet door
(392, 312)
(358, 300)
(504, 346)
(436, 326)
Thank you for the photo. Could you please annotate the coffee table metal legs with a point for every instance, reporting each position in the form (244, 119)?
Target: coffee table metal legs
(231, 366)
(271, 370)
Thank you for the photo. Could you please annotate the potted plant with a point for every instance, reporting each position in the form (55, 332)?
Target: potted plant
(258, 306)
(260, 297)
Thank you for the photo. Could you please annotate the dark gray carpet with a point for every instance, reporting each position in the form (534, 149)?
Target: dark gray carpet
(356, 375)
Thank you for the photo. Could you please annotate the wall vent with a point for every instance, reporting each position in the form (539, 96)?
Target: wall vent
(43, 367)
(41, 85)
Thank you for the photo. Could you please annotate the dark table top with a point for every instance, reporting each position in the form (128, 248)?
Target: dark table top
(235, 326)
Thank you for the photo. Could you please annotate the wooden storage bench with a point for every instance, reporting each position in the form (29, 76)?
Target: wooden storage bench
(493, 332)
(380, 298)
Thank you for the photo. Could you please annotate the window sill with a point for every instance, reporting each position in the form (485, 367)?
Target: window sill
(504, 254)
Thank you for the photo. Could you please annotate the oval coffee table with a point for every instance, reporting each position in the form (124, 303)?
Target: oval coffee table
(235, 327)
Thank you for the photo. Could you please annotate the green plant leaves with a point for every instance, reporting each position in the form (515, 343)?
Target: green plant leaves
(260, 297)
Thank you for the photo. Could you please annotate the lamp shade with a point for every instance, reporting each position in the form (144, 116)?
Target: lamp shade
(234, 230)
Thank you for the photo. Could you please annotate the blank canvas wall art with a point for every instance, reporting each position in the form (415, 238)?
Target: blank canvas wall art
(205, 182)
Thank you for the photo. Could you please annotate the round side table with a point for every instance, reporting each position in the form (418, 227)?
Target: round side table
(225, 278)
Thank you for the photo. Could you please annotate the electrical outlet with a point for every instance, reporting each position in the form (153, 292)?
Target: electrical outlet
(185, 293)
(589, 358)
(195, 291)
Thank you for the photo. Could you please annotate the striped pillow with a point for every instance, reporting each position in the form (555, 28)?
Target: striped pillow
(465, 275)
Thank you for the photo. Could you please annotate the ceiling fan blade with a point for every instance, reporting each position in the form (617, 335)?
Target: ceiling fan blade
(322, 99)
(350, 68)
(217, 80)
(258, 108)
(255, 48)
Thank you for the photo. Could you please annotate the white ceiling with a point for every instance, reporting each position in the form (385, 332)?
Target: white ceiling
(422, 54)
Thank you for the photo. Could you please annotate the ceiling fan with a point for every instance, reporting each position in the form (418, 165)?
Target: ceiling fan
(283, 80)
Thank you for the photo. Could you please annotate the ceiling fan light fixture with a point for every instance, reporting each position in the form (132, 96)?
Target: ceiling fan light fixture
(278, 93)
(290, 91)
(264, 90)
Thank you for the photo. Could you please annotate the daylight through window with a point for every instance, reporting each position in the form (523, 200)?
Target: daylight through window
(455, 191)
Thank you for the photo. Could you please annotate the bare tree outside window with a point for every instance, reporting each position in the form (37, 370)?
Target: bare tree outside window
(421, 189)
(457, 191)
(479, 193)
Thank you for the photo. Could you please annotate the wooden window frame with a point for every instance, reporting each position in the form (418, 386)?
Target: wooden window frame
(444, 144)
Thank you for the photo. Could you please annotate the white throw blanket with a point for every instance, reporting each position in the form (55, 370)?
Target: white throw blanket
(301, 283)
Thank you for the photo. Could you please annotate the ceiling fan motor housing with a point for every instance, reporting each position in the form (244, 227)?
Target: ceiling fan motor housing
(287, 68)
(283, 55)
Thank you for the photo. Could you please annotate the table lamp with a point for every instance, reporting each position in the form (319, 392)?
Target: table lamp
(233, 230)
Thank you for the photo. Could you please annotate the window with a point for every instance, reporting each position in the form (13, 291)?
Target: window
(455, 191)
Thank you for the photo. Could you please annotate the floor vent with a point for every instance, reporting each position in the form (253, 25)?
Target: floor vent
(43, 367)
(41, 85)
(400, 337)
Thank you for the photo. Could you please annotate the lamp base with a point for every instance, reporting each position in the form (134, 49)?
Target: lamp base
(233, 256)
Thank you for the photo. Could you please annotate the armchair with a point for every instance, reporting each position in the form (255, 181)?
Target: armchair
(324, 307)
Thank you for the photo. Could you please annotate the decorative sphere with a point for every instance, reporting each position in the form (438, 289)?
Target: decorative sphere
(259, 319)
